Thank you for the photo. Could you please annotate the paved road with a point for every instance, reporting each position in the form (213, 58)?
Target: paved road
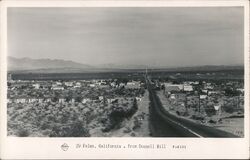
(164, 124)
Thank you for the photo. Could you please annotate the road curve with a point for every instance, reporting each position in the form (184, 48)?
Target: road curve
(164, 124)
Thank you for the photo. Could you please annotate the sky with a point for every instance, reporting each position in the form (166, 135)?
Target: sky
(176, 36)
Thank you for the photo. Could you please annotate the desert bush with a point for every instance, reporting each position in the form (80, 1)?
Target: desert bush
(22, 132)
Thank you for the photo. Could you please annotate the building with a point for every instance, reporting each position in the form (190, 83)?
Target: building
(57, 88)
(61, 100)
(78, 85)
(138, 98)
(203, 96)
(68, 84)
(180, 86)
(36, 86)
(92, 85)
(20, 100)
(9, 100)
(85, 100)
(213, 92)
(101, 98)
(32, 100)
(133, 85)
(172, 88)
(205, 91)
(188, 88)
(172, 96)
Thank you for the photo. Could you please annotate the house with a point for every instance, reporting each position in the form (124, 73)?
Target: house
(172, 88)
(217, 107)
(85, 100)
(48, 100)
(240, 89)
(20, 100)
(77, 85)
(133, 85)
(208, 87)
(32, 100)
(61, 100)
(9, 100)
(111, 100)
(58, 83)
(40, 100)
(68, 84)
(203, 96)
(101, 98)
(168, 85)
(113, 84)
(92, 85)
(36, 86)
(213, 92)
(172, 96)
(188, 88)
(57, 88)
(204, 91)
(138, 98)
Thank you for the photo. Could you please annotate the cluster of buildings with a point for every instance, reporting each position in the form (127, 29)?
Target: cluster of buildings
(82, 91)
(202, 93)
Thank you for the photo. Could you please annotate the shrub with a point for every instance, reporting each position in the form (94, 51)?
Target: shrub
(22, 132)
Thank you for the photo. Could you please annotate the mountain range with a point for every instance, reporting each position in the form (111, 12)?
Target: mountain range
(61, 66)
(34, 64)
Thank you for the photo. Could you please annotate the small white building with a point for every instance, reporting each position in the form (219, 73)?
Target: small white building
(92, 85)
(32, 100)
(204, 91)
(58, 83)
(57, 88)
(36, 86)
(138, 98)
(180, 86)
(77, 85)
(9, 100)
(121, 84)
(213, 92)
(203, 96)
(188, 88)
(72, 100)
(20, 100)
(172, 96)
(85, 100)
(101, 98)
(40, 100)
(68, 84)
(61, 100)
(240, 89)
(48, 100)
(133, 85)
(113, 84)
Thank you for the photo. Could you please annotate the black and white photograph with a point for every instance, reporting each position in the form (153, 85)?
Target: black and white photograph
(125, 72)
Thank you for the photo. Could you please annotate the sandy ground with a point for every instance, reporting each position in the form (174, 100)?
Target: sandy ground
(129, 128)
(136, 126)
(231, 125)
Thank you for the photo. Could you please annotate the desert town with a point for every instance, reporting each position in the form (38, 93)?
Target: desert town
(118, 107)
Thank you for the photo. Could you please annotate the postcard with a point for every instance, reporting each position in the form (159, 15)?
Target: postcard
(124, 79)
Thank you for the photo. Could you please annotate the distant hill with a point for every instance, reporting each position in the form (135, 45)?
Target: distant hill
(202, 68)
(18, 64)
(62, 66)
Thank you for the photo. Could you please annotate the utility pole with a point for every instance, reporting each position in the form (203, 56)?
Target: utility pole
(186, 103)
(199, 109)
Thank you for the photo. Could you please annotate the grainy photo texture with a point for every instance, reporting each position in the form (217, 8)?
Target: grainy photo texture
(125, 72)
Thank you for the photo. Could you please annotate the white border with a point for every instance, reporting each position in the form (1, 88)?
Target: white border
(49, 148)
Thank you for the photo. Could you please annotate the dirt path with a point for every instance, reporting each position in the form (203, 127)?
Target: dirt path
(137, 125)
